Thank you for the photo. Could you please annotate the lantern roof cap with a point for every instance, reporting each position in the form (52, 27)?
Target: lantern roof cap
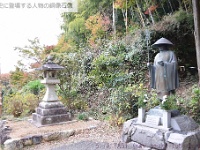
(50, 65)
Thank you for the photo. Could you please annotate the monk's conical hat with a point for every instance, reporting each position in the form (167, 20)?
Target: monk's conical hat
(162, 41)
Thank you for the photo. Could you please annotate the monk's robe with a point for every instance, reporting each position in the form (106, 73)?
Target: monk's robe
(164, 78)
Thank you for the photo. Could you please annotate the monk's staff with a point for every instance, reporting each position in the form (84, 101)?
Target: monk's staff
(147, 39)
(151, 68)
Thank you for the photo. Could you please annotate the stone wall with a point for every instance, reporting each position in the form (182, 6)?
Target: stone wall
(4, 132)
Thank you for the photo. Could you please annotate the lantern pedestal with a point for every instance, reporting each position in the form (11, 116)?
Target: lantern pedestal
(50, 111)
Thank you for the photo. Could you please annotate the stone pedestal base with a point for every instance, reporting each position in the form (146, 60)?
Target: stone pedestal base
(188, 138)
(50, 113)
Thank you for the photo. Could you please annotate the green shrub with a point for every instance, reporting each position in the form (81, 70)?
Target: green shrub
(122, 103)
(170, 103)
(74, 101)
(83, 116)
(80, 105)
(18, 103)
(142, 100)
(189, 102)
(106, 69)
(153, 100)
(34, 87)
(120, 64)
(194, 104)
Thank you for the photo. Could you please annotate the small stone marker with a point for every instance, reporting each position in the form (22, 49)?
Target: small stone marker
(141, 115)
(166, 119)
(152, 120)
(176, 138)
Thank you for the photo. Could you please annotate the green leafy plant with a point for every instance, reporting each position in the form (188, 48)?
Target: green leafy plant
(18, 103)
(80, 105)
(194, 104)
(142, 100)
(34, 87)
(153, 100)
(122, 103)
(169, 103)
(13, 105)
(83, 116)
(189, 102)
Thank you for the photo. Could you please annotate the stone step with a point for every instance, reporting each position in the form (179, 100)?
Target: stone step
(51, 111)
(40, 120)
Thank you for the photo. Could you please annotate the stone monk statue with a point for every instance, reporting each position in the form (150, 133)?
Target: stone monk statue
(164, 72)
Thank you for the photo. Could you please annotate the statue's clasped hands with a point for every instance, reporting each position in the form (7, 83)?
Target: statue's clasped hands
(148, 64)
(161, 63)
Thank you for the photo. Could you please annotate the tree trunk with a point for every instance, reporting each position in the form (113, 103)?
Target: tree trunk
(140, 13)
(132, 13)
(126, 17)
(185, 7)
(150, 14)
(163, 9)
(196, 13)
(170, 4)
(114, 20)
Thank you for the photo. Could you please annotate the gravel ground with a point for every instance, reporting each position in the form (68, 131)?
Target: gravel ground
(24, 128)
(103, 137)
(91, 145)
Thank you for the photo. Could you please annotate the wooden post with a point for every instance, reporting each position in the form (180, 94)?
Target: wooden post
(196, 13)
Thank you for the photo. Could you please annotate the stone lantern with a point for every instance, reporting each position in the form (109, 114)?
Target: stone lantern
(50, 111)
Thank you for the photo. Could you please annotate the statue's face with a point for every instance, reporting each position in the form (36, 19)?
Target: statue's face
(162, 47)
